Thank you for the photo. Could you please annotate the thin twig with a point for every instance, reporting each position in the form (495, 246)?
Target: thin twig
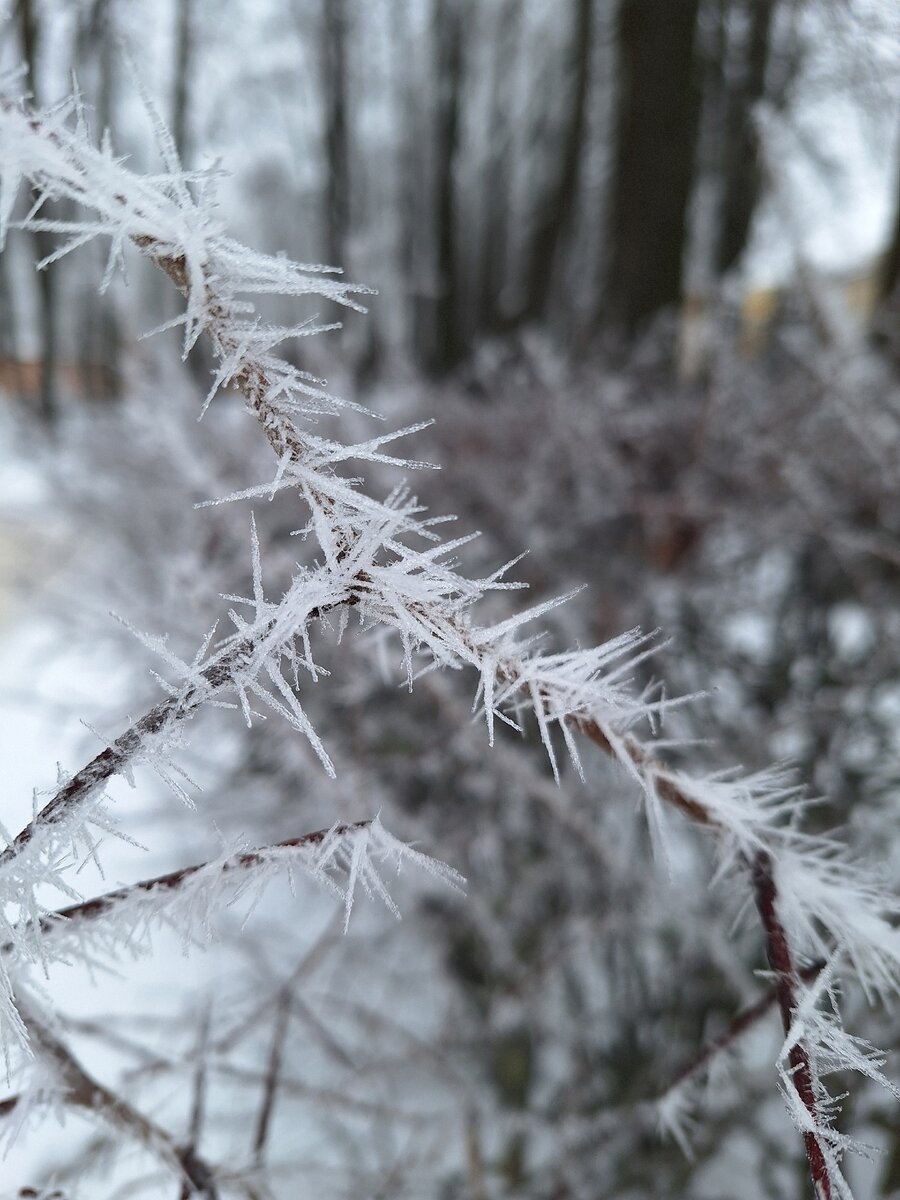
(100, 906)
(115, 759)
(745, 1020)
(80, 1090)
(273, 1073)
(198, 1103)
(787, 981)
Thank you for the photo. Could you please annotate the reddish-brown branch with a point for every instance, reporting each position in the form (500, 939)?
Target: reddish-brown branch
(787, 981)
(79, 1090)
(101, 905)
(745, 1020)
(273, 1075)
(198, 1104)
(666, 787)
(116, 757)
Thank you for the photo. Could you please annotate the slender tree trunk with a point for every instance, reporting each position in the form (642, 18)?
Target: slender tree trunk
(491, 264)
(890, 276)
(187, 38)
(655, 142)
(444, 348)
(885, 335)
(9, 349)
(181, 83)
(334, 91)
(99, 328)
(29, 31)
(406, 123)
(557, 207)
(742, 176)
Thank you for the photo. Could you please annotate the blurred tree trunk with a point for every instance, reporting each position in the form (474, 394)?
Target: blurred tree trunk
(9, 349)
(654, 153)
(181, 83)
(741, 173)
(187, 39)
(406, 117)
(30, 36)
(491, 263)
(99, 333)
(334, 95)
(885, 333)
(890, 276)
(557, 205)
(442, 344)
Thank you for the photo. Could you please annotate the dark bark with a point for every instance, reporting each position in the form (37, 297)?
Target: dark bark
(557, 207)
(491, 266)
(9, 349)
(442, 345)
(187, 36)
(654, 158)
(890, 276)
(885, 335)
(741, 171)
(407, 194)
(30, 35)
(334, 93)
(99, 332)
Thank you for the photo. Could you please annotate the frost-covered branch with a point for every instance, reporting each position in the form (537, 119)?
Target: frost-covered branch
(746, 1019)
(383, 560)
(66, 1082)
(343, 857)
(803, 1076)
(205, 685)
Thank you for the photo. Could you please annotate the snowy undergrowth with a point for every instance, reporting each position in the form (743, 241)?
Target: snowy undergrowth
(383, 564)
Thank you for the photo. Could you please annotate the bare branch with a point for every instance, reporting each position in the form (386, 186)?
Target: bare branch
(79, 1090)
(273, 1073)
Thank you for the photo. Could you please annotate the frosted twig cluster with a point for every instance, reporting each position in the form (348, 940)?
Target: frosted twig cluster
(383, 563)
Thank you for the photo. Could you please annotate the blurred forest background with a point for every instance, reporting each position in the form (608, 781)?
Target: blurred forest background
(640, 259)
(499, 168)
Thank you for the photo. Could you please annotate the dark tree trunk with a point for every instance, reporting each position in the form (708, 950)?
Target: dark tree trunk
(99, 329)
(885, 331)
(890, 275)
(29, 31)
(187, 35)
(489, 312)
(443, 347)
(557, 206)
(741, 173)
(337, 184)
(654, 153)
(9, 349)
(406, 116)
(184, 52)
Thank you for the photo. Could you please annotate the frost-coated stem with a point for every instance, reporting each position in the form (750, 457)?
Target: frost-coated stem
(253, 384)
(80, 1090)
(116, 757)
(823, 902)
(217, 677)
(787, 982)
(246, 860)
(746, 1019)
